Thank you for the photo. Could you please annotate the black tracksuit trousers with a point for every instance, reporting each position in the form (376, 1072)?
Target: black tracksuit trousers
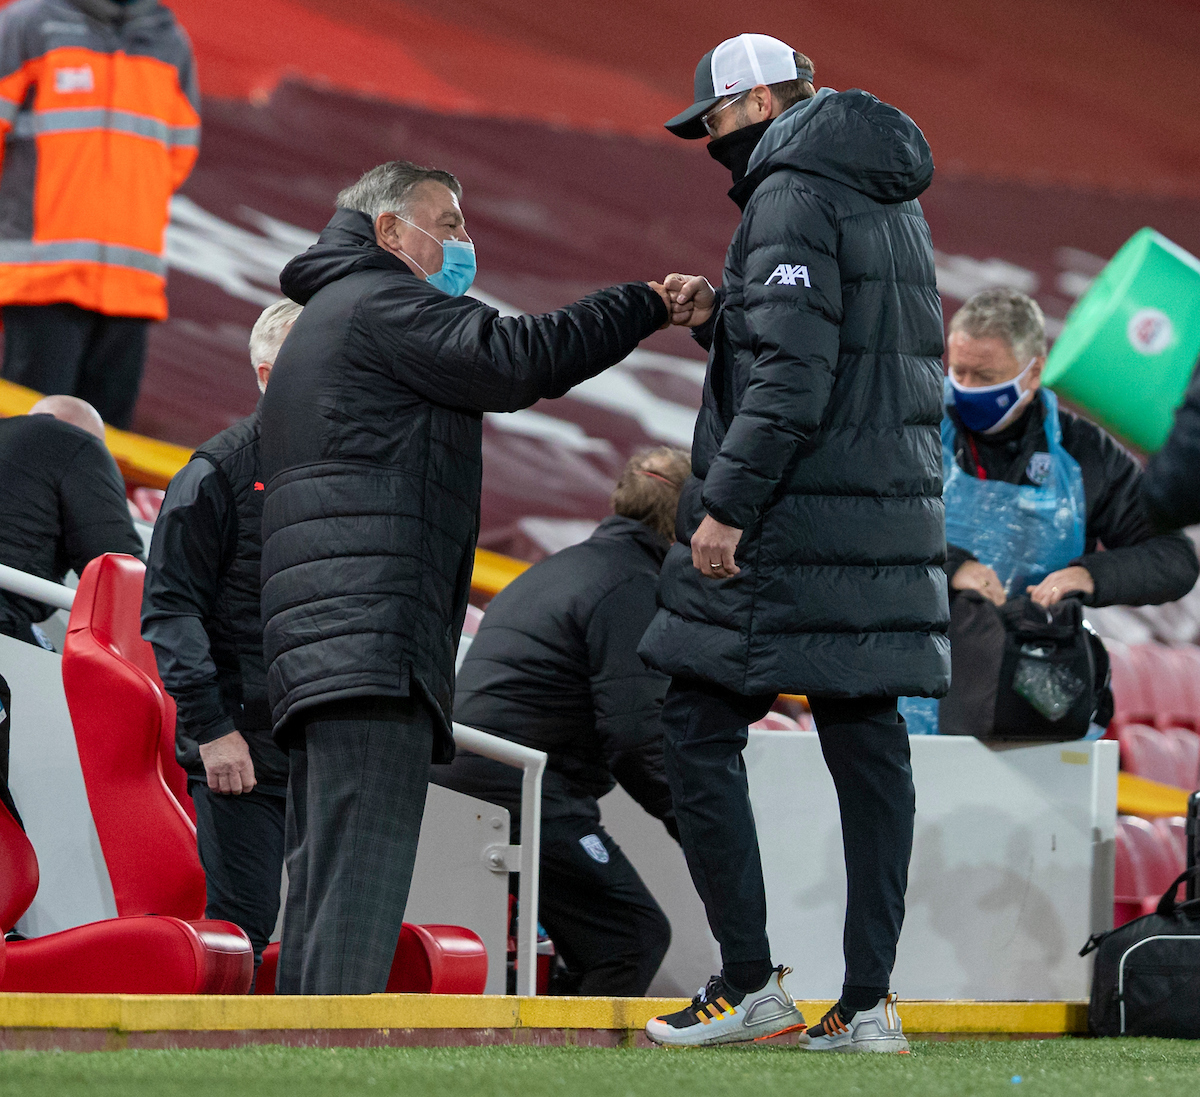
(865, 744)
(240, 841)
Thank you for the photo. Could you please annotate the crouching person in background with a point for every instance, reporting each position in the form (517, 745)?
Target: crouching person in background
(200, 611)
(554, 666)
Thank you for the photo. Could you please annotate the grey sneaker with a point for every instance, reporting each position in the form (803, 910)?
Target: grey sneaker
(721, 1015)
(874, 1029)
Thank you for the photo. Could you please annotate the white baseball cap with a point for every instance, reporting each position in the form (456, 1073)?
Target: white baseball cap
(736, 65)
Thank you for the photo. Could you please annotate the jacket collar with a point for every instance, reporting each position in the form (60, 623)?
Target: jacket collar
(617, 527)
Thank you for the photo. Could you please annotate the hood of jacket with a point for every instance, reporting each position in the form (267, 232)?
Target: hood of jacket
(346, 245)
(617, 527)
(850, 137)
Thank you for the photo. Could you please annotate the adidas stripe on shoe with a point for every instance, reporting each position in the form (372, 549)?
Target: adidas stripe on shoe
(874, 1029)
(719, 1014)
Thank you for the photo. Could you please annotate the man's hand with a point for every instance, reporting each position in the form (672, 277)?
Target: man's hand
(227, 764)
(973, 575)
(713, 546)
(1058, 584)
(692, 299)
(661, 290)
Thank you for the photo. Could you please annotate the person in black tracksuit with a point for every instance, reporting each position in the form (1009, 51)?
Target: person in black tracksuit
(372, 454)
(200, 612)
(554, 666)
(1172, 482)
(1139, 565)
(61, 505)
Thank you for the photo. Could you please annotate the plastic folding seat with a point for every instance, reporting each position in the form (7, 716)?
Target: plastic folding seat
(1164, 674)
(1131, 699)
(428, 960)
(1185, 707)
(1146, 752)
(1146, 863)
(147, 502)
(139, 955)
(1172, 829)
(1187, 751)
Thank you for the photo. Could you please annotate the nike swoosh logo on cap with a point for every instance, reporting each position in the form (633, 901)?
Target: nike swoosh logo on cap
(733, 85)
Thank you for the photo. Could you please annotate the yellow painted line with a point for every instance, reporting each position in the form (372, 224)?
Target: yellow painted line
(151, 463)
(1139, 796)
(187, 1013)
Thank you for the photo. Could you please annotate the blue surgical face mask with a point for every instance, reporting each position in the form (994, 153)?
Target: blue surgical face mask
(992, 406)
(458, 264)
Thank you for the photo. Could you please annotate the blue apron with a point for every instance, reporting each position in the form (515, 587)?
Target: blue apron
(1022, 532)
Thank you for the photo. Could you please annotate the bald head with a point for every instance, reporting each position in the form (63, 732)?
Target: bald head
(70, 409)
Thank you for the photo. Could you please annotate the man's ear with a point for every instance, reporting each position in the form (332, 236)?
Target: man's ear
(386, 231)
(263, 370)
(1035, 371)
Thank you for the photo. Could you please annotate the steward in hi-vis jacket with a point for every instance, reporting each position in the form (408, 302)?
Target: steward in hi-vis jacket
(99, 118)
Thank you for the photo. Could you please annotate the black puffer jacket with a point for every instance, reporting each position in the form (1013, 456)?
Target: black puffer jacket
(62, 503)
(372, 458)
(554, 666)
(1139, 566)
(818, 434)
(1172, 483)
(200, 604)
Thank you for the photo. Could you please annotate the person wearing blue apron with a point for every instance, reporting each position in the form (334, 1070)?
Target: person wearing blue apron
(1022, 532)
(1033, 491)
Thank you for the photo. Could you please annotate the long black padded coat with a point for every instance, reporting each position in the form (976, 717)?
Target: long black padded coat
(372, 459)
(819, 430)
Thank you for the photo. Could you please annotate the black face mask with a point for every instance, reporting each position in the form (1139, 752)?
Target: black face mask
(735, 149)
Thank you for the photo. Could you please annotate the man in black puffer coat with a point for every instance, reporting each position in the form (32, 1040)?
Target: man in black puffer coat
(811, 537)
(201, 613)
(372, 460)
(554, 666)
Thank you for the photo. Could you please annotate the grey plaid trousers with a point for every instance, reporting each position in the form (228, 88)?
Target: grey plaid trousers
(356, 796)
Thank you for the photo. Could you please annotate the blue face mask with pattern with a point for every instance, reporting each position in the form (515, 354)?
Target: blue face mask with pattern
(458, 264)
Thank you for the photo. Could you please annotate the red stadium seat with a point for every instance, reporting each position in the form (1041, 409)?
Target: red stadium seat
(428, 960)
(1146, 862)
(139, 955)
(1172, 830)
(121, 716)
(1187, 662)
(1165, 677)
(1131, 699)
(1157, 755)
(1187, 750)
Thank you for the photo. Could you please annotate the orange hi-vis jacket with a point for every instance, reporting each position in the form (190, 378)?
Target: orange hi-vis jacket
(100, 123)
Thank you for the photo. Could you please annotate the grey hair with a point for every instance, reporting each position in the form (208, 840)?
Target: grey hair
(388, 187)
(1008, 315)
(270, 330)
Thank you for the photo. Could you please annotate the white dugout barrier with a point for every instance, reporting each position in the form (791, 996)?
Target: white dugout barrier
(1012, 863)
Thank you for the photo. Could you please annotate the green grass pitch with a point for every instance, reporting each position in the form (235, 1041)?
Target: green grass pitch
(1064, 1068)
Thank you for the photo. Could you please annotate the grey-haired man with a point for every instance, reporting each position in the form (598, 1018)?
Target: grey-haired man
(200, 612)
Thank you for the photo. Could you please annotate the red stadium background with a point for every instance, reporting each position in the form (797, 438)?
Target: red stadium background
(1059, 128)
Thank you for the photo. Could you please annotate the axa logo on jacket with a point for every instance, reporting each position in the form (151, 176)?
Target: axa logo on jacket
(790, 275)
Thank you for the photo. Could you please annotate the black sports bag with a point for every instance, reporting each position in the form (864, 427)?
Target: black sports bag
(1146, 980)
(1024, 673)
